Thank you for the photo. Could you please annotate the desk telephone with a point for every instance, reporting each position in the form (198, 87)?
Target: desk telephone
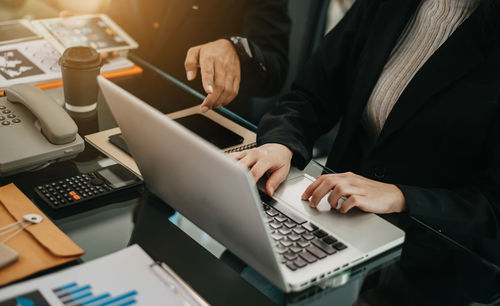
(35, 131)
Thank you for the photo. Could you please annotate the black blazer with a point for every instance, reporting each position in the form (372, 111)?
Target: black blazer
(440, 143)
(166, 30)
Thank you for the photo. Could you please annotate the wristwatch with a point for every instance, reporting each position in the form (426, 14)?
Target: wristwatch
(242, 47)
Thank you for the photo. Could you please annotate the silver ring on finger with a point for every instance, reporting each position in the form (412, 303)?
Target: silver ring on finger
(340, 201)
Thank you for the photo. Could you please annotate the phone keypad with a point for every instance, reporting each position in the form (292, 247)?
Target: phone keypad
(7, 117)
(73, 190)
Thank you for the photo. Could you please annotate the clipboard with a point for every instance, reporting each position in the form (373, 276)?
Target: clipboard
(174, 282)
(40, 246)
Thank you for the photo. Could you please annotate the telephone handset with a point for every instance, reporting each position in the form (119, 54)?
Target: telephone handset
(55, 123)
(35, 131)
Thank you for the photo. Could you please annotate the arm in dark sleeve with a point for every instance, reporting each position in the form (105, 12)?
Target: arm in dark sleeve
(267, 28)
(470, 215)
(317, 99)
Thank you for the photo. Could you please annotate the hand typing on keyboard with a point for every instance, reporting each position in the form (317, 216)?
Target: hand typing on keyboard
(271, 158)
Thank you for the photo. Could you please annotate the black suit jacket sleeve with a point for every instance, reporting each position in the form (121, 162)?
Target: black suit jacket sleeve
(267, 26)
(317, 99)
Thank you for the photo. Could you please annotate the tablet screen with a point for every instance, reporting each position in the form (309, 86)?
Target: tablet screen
(210, 131)
(93, 32)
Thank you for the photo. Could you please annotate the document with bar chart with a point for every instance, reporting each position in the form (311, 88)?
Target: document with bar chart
(127, 277)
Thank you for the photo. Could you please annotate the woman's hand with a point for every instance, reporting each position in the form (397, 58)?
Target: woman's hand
(350, 190)
(271, 158)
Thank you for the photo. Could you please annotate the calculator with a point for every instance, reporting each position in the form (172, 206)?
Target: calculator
(87, 186)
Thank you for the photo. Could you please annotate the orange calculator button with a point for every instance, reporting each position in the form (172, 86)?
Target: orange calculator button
(76, 197)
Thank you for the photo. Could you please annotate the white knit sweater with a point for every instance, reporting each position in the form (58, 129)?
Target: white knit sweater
(429, 28)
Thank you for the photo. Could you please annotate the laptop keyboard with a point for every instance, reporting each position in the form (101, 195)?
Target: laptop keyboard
(299, 242)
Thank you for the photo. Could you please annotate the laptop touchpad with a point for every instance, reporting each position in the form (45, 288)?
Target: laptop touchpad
(291, 192)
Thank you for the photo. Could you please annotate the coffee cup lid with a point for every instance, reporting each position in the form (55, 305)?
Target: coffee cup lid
(80, 58)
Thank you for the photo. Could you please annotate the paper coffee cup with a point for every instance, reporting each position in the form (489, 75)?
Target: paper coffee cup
(80, 67)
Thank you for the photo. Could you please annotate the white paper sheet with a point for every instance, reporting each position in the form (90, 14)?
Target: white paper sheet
(36, 62)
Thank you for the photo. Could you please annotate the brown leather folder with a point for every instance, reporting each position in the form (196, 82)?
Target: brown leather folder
(40, 246)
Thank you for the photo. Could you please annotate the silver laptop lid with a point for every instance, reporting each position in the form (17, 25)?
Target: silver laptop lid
(195, 178)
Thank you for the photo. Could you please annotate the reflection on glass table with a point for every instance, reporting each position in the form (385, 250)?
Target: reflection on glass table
(476, 276)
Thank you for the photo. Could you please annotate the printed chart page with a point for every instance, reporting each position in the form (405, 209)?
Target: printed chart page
(127, 277)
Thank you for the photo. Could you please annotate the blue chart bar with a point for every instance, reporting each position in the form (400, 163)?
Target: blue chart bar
(73, 294)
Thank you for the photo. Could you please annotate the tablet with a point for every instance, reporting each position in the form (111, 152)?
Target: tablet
(97, 31)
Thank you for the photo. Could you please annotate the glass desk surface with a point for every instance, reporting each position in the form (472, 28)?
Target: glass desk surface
(428, 268)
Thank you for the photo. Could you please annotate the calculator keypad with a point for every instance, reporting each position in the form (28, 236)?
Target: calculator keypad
(73, 190)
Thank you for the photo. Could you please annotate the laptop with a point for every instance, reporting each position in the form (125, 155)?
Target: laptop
(282, 238)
